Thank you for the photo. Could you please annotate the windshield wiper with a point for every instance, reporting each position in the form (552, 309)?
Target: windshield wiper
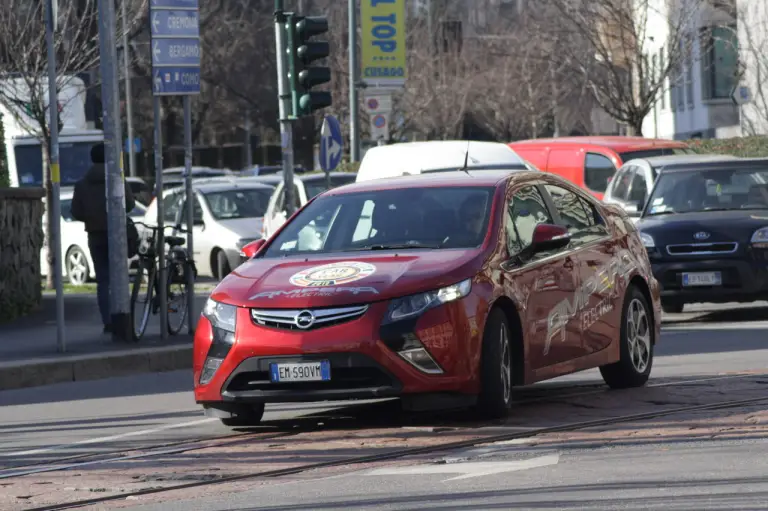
(396, 246)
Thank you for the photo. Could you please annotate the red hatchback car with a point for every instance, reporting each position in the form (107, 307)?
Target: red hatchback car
(460, 284)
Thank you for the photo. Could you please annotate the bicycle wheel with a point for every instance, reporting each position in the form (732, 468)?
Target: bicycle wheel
(178, 294)
(141, 296)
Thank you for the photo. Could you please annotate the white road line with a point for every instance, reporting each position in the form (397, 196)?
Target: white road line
(470, 469)
(108, 438)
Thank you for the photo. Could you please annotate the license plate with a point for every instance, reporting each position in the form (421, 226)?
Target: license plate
(712, 278)
(301, 371)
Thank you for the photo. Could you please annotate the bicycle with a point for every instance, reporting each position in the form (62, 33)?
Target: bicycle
(177, 263)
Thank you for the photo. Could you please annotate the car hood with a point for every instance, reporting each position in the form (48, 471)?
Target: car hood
(249, 228)
(359, 278)
(721, 225)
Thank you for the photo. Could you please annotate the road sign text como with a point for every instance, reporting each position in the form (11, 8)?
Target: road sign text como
(383, 41)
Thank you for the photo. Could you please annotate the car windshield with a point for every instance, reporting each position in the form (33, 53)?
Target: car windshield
(74, 161)
(412, 218)
(317, 186)
(239, 203)
(712, 190)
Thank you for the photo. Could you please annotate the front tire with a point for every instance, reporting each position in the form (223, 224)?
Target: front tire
(495, 399)
(78, 269)
(245, 417)
(637, 340)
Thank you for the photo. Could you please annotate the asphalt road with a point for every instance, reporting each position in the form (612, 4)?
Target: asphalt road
(45, 423)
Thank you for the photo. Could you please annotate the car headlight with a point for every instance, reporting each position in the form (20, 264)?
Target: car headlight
(414, 305)
(647, 240)
(223, 320)
(760, 237)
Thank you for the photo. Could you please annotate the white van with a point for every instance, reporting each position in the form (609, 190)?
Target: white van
(437, 156)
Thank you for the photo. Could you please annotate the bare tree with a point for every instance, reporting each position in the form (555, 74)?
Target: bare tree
(753, 54)
(618, 33)
(23, 65)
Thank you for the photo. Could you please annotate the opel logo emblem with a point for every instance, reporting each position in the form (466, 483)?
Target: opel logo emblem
(304, 319)
(701, 235)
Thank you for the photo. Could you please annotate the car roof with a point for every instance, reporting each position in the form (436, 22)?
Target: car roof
(317, 176)
(703, 166)
(617, 143)
(671, 159)
(225, 186)
(430, 180)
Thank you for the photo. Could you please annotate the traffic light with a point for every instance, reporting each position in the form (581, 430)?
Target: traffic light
(302, 52)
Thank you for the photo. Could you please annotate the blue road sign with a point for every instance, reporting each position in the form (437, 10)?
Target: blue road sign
(175, 23)
(136, 145)
(176, 52)
(330, 143)
(174, 4)
(173, 81)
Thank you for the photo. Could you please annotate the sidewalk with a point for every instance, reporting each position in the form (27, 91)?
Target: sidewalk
(29, 356)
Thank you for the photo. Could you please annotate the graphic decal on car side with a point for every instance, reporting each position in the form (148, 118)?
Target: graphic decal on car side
(315, 291)
(333, 274)
(603, 282)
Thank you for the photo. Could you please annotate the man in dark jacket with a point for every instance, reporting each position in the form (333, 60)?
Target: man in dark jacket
(89, 205)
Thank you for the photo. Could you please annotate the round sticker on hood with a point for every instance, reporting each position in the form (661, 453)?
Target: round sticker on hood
(333, 274)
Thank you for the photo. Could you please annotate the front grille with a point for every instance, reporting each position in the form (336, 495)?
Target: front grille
(286, 319)
(703, 248)
(341, 378)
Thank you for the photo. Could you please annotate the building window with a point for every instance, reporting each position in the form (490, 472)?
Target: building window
(720, 65)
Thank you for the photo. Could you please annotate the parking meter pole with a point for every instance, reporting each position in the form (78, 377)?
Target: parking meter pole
(354, 110)
(163, 274)
(115, 182)
(284, 97)
(55, 176)
(191, 202)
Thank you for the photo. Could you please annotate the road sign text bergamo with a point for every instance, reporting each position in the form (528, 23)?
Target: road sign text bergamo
(175, 47)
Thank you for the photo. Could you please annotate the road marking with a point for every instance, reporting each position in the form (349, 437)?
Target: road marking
(108, 438)
(469, 470)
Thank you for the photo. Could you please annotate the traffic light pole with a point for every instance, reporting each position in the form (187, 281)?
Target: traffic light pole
(285, 102)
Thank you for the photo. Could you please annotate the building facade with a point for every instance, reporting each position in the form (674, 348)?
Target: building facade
(753, 52)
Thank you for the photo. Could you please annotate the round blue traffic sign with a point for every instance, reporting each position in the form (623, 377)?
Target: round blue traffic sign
(379, 121)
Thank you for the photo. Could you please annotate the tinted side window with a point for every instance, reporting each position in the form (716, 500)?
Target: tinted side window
(569, 207)
(171, 207)
(597, 228)
(639, 190)
(66, 210)
(528, 211)
(621, 183)
(598, 170)
(198, 212)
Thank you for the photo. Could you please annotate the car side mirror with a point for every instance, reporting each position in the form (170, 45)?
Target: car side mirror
(633, 208)
(198, 221)
(252, 248)
(549, 237)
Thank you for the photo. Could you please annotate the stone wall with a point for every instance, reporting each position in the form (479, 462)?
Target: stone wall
(21, 239)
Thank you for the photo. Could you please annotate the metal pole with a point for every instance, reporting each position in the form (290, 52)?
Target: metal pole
(115, 185)
(191, 202)
(53, 125)
(128, 98)
(354, 111)
(284, 96)
(248, 149)
(163, 291)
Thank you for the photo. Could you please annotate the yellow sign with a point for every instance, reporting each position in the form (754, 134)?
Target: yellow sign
(382, 24)
(55, 173)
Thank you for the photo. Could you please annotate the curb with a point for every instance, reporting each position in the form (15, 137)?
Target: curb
(38, 372)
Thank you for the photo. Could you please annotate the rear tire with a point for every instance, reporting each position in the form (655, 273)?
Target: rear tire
(222, 265)
(140, 310)
(247, 416)
(177, 296)
(637, 341)
(495, 399)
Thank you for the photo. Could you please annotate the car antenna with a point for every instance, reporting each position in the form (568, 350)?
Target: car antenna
(466, 159)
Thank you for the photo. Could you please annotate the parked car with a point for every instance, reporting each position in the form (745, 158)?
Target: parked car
(77, 265)
(630, 187)
(591, 162)
(173, 177)
(460, 284)
(306, 186)
(410, 158)
(227, 215)
(705, 227)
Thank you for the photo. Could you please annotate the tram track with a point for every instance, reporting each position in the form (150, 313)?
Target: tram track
(407, 452)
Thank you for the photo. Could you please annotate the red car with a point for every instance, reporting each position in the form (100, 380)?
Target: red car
(460, 284)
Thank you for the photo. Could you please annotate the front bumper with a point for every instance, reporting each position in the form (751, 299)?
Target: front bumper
(363, 364)
(743, 280)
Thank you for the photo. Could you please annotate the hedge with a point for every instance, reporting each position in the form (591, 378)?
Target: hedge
(745, 147)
